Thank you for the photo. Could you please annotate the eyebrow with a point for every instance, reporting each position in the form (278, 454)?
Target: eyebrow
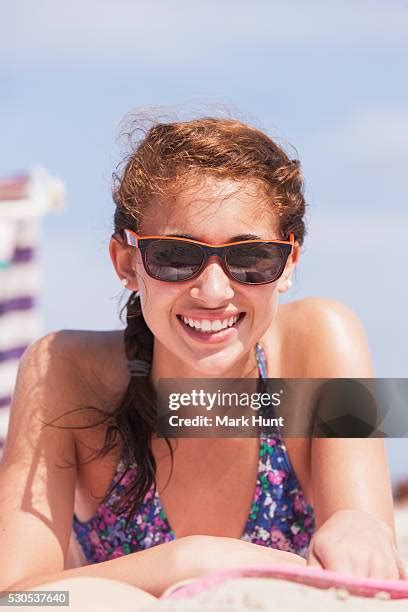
(234, 239)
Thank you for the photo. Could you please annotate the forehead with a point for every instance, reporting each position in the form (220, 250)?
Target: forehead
(214, 210)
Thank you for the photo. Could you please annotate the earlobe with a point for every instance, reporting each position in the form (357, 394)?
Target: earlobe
(285, 285)
(286, 282)
(296, 253)
(122, 263)
(130, 285)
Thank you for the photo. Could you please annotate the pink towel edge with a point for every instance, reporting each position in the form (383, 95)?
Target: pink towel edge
(310, 576)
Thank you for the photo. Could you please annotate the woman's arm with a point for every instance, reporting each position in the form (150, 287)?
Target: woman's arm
(155, 569)
(347, 473)
(37, 496)
(152, 570)
(351, 487)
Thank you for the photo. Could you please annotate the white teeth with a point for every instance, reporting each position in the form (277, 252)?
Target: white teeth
(216, 325)
(205, 325)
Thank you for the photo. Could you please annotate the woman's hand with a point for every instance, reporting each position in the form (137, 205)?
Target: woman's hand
(356, 543)
(202, 554)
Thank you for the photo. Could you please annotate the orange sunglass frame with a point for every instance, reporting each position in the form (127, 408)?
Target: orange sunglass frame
(142, 243)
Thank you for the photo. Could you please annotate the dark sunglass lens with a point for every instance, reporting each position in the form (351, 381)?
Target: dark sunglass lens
(256, 263)
(170, 260)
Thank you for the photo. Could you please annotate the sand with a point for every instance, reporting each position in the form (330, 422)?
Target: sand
(263, 594)
(236, 594)
(278, 595)
(401, 525)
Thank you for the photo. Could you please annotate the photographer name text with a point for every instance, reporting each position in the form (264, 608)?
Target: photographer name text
(226, 421)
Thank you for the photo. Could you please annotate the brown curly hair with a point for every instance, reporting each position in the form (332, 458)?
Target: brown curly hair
(168, 157)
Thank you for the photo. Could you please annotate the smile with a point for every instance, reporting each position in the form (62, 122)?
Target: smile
(207, 325)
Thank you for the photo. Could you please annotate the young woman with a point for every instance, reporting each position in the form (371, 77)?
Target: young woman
(207, 233)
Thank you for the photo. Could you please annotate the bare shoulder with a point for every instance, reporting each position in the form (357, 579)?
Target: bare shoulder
(311, 313)
(37, 475)
(101, 360)
(89, 373)
(76, 366)
(325, 338)
(44, 386)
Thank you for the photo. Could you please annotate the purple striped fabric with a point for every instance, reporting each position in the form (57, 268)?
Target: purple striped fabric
(20, 303)
(24, 200)
(13, 353)
(5, 402)
(22, 255)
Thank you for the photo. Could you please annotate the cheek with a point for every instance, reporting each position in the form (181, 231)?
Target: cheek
(266, 305)
(157, 300)
(264, 297)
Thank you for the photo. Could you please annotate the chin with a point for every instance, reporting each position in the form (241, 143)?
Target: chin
(216, 370)
(217, 365)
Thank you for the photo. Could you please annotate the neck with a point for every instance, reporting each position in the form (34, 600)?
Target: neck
(168, 365)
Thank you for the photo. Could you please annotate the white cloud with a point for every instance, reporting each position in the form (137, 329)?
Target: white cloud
(150, 32)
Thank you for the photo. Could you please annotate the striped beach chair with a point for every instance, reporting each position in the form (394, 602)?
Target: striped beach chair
(24, 200)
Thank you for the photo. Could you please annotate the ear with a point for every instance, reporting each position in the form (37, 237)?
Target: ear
(285, 281)
(121, 255)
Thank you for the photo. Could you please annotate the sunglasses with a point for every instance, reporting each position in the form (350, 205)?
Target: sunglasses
(252, 262)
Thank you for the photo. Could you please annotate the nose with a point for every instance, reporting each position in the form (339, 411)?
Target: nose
(213, 285)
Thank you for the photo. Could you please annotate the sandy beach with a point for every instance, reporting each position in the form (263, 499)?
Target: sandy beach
(281, 596)
(266, 594)
(401, 524)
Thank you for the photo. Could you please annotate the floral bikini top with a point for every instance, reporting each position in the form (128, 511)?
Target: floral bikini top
(279, 516)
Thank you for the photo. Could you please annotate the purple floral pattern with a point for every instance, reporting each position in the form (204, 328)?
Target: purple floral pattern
(280, 516)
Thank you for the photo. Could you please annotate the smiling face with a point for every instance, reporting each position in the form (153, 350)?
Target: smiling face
(214, 212)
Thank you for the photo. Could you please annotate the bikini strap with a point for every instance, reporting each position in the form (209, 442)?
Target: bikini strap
(273, 431)
(261, 361)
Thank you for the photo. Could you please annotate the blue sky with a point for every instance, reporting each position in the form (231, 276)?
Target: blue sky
(327, 77)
